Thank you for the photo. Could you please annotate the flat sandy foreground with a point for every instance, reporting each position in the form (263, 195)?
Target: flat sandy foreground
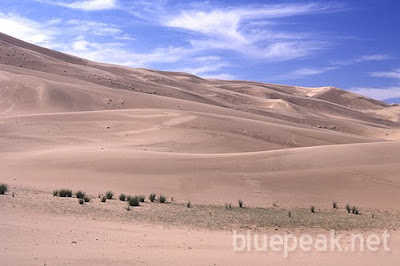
(39, 229)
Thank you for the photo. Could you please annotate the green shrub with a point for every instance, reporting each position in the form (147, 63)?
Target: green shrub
(134, 201)
(162, 199)
(152, 197)
(103, 198)
(240, 203)
(142, 198)
(65, 193)
(109, 194)
(81, 201)
(122, 197)
(312, 209)
(86, 199)
(334, 205)
(80, 194)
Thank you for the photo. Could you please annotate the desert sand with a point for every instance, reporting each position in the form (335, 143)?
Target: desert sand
(67, 122)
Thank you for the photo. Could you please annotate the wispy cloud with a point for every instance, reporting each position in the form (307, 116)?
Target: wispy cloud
(303, 73)
(89, 5)
(389, 74)
(378, 93)
(360, 59)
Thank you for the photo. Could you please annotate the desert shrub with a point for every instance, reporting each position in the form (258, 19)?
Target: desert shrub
(240, 203)
(354, 210)
(312, 209)
(228, 206)
(3, 189)
(103, 198)
(134, 201)
(290, 214)
(189, 204)
(65, 193)
(86, 199)
(162, 199)
(128, 198)
(152, 197)
(141, 198)
(334, 205)
(109, 194)
(81, 201)
(348, 208)
(80, 194)
(172, 199)
(122, 197)
(274, 204)
(55, 193)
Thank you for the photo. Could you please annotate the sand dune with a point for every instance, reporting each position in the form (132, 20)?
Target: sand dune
(70, 122)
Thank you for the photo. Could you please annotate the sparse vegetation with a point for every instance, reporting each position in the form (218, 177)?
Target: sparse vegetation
(354, 210)
(141, 198)
(312, 209)
(162, 199)
(3, 189)
(81, 201)
(290, 214)
(189, 204)
(134, 201)
(122, 197)
(228, 206)
(152, 197)
(240, 203)
(80, 194)
(334, 205)
(274, 204)
(86, 199)
(109, 194)
(103, 198)
(348, 208)
(65, 193)
(55, 193)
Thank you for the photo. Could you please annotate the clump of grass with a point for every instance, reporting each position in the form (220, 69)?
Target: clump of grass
(312, 209)
(162, 199)
(189, 204)
(228, 206)
(122, 197)
(3, 189)
(103, 198)
(172, 199)
(80, 194)
(65, 193)
(290, 214)
(86, 198)
(240, 203)
(334, 205)
(128, 198)
(141, 198)
(348, 208)
(354, 210)
(109, 194)
(152, 197)
(81, 201)
(134, 201)
(55, 193)
(274, 204)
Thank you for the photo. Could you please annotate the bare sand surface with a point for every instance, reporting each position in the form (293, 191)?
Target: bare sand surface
(66, 122)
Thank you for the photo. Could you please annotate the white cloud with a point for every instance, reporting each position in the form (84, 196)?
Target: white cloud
(89, 5)
(378, 93)
(389, 74)
(237, 29)
(26, 29)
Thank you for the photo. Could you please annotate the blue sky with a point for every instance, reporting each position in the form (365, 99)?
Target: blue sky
(353, 45)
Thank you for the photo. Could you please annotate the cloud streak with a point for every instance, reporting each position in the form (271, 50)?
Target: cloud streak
(90, 5)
